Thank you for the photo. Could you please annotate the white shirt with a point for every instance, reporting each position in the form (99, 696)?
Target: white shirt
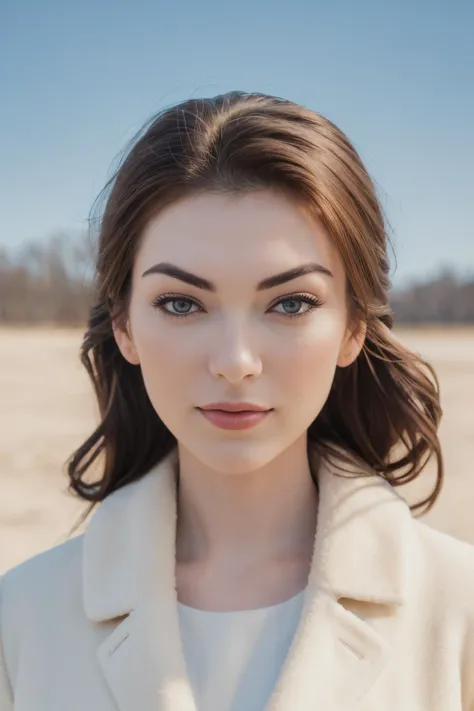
(233, 658)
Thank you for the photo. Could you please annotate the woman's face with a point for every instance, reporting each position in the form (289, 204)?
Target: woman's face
(228, 336)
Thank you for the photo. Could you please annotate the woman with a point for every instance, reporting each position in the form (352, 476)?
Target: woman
(251, 551)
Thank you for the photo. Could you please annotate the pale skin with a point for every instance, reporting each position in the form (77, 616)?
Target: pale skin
(247, 505)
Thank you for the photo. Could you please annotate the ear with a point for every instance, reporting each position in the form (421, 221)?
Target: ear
(124, 339)
(352, 344)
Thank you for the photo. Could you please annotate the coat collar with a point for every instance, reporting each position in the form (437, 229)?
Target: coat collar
(361, 552)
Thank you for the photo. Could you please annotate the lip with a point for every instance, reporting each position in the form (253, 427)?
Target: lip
(236, 420)
(235, 407)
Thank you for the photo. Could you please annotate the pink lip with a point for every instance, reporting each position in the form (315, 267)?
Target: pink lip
(240, 420)
(235, 407)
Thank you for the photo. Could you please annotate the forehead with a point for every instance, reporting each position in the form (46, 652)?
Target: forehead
(250, 235)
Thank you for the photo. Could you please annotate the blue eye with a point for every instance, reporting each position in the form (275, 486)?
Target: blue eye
(182, 305)
(296, 301)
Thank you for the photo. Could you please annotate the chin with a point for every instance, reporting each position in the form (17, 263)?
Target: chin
(236, 457)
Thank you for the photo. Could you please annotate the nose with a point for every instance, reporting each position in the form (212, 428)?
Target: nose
(233, 355)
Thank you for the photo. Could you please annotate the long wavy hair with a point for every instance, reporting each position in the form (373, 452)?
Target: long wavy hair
(383, 409)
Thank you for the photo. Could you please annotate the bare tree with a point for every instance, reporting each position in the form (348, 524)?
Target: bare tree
(47, 282)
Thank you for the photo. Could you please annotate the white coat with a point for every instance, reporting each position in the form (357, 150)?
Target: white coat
(387, 621)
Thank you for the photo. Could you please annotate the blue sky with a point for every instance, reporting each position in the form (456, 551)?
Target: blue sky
(78, 79)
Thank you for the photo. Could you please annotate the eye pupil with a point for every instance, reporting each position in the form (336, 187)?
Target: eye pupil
(296, 303)
(182, 302)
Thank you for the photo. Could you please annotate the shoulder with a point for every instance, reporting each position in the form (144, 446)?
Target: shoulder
(45, 567)
(445, 601)
(447, 569)
(41, 582)
(39, 599)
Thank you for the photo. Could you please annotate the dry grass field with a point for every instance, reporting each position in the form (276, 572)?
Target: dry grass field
(47, 409)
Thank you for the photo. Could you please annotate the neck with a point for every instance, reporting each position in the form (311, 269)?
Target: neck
(250, 519)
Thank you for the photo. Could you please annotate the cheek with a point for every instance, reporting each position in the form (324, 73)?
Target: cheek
(308, 361)
(166, 359)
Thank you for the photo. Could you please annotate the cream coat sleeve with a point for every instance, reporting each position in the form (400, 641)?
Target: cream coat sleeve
(6, 695)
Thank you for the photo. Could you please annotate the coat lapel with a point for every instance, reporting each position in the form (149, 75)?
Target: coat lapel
(360, 553)
(129, 573)
(335, 658)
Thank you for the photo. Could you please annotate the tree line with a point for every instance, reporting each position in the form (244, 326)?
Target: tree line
(51, 283)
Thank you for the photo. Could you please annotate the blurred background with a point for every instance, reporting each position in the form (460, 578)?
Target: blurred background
(79, 79)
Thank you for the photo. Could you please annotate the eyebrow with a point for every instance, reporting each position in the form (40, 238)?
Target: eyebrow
(276, 280)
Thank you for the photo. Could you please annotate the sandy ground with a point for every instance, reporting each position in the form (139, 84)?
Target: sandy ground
(47, 410)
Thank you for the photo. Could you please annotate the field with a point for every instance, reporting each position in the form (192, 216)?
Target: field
(47, 410)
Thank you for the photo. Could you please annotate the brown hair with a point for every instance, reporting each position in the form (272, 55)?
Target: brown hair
(384, 408)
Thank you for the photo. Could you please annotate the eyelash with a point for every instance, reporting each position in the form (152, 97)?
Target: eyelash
(164, 299)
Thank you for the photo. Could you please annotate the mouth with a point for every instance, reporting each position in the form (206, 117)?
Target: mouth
(235, 407)
(234, 420)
